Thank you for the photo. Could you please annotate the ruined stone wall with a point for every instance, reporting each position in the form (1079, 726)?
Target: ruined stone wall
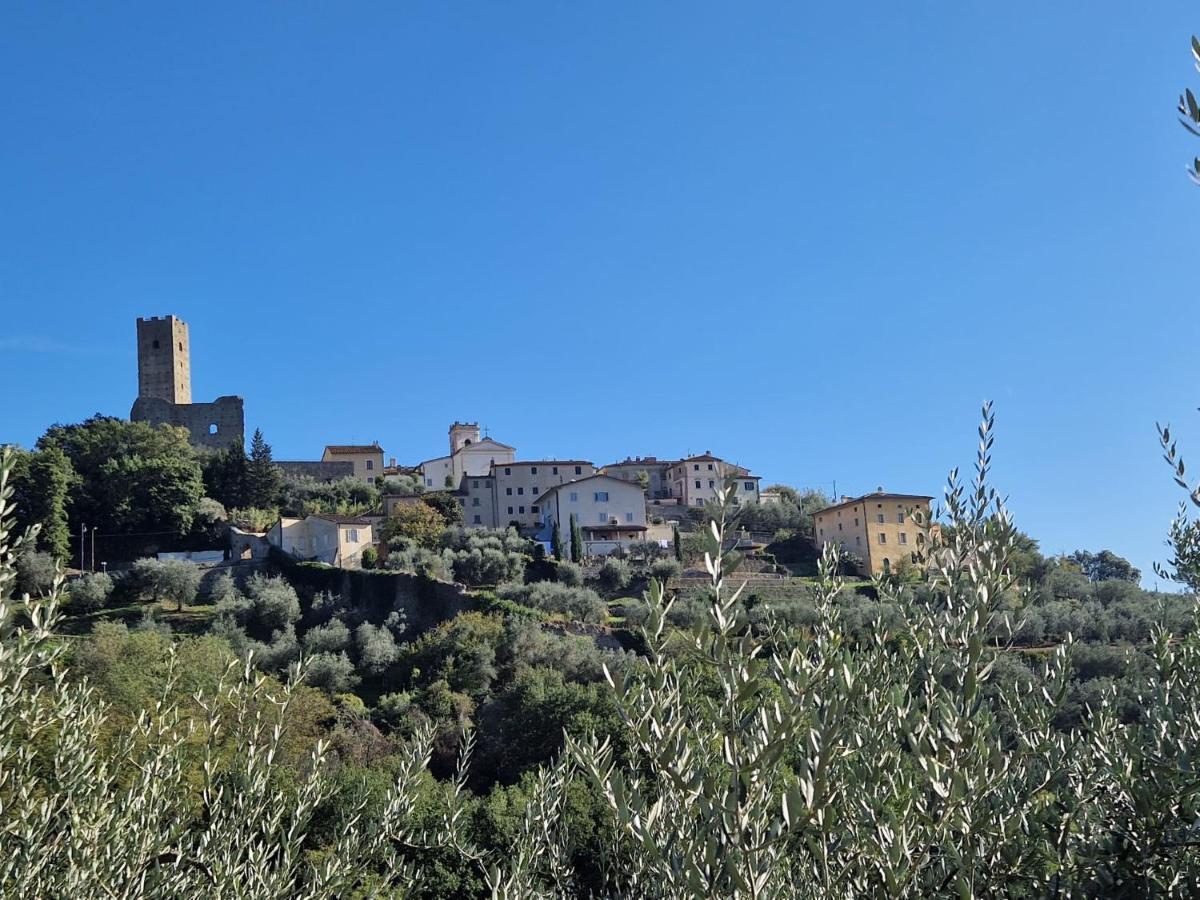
(216, 425)
(320, 471)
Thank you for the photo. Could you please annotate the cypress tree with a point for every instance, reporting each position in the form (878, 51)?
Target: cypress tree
(576, 541)
(678, 546)
(556, 543)
(262, 477)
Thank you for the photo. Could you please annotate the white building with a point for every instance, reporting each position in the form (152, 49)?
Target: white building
(512, 492)
(610, 513)
(695, 481)
(336, 540)
(470, 454)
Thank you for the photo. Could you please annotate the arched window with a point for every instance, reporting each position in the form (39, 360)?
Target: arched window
(212, 429)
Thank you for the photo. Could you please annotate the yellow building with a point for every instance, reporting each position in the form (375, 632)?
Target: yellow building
(367, 459)
(876, 529)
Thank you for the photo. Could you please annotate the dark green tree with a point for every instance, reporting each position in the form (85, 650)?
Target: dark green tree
(133, 477)
(42, 483)
(556, 547)
(445, 503)
(576, 541)
(263, 480)
(225, 477)
(1105, 566)
(678, 547)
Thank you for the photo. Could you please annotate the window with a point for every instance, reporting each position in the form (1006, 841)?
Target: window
(920, 538)
(475, 483)
(212, 429)
(603, 518)
(181, 345)
(533, 470)
(697, 483)
(478, 521)
(156, 345)
(510, 509)
(628, 517)
(533, 490)
(856, 521)
(858, 541)
(507, 471)
(521, 510)
(574, 497)
(903, 538)
(521, 491)
(900, 518)
(601, 497)
(879, 518)
(822, 532)
(749, 485)
(699, 502)
(696, 467)
(554, 470)
(428, 482)
(710, 467)
(579, 470)
(711, 484)
(839, 526)
(474, 501)
(352, 535)
(534, 510)
(508, 491)
(371, 480)
(370, 465)
(882, 538)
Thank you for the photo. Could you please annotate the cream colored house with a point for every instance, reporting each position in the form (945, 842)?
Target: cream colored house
(512, 491)
(367, 459)
(877, 529)
(336, 540)
(611, 513)
(470, 454)
(695, 481)
(650, 468)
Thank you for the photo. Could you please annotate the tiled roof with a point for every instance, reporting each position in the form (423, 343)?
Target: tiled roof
(543, 462)
(353, 448)
(341, 520)
(876, 495)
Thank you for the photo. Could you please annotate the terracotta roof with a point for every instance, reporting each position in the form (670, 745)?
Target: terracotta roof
(586, 478)
(876, 495)
(645, 462)
(544, 462)
(353, 448)
(625, 527)
(341, 520)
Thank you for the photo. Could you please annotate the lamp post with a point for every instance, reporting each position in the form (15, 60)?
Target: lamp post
(82, 532)
(93, 568)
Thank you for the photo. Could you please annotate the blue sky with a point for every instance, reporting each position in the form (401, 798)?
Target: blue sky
(809, 239)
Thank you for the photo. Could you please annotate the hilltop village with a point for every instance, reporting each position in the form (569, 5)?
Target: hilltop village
(608, 508)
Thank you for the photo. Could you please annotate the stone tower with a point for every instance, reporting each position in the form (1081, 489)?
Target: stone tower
(164, 360)
(165, 388)
(463, 433)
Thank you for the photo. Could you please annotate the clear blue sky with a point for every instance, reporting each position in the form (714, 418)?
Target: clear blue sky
(598, 229)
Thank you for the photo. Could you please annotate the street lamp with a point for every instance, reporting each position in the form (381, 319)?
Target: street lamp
(82, 531)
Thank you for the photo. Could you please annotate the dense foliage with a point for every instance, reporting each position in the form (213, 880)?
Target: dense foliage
(1000, 724)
